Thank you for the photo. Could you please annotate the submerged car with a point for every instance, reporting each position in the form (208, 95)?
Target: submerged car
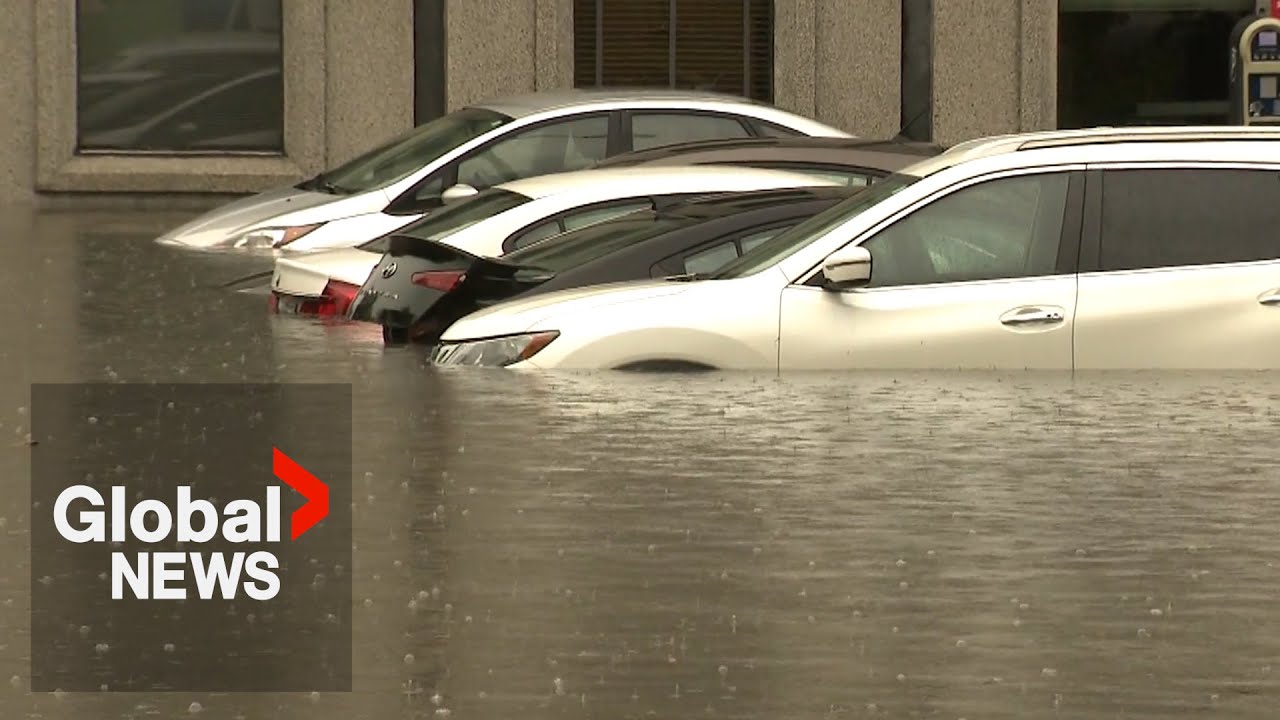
(511, 216)
(1111, 248)
(475, 148)
(422, 286)
(848, 161)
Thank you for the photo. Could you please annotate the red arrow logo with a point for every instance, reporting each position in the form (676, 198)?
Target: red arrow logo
(316, 493)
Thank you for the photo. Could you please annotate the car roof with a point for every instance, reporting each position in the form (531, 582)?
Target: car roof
(670, 180)
(521, 105)
(779, 147)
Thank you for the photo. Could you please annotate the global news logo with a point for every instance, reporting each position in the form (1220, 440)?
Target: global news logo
(82, 515)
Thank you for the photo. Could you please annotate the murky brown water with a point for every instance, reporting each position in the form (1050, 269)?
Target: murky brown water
(729, 546)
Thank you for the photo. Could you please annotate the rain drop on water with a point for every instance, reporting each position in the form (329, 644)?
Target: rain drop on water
(194, 708)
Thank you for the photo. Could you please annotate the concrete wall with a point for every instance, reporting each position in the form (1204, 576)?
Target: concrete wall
(836, 60)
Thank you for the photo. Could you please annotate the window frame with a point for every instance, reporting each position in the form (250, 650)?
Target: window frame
(1069, 238)
(406, 204)
(1091, 237)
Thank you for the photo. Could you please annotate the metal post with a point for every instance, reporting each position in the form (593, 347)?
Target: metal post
(671, 46)
(746, 48)
(599, 43)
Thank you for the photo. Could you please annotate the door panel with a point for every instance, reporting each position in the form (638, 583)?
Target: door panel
(1205, 317)
(974, 279)
(955, 326)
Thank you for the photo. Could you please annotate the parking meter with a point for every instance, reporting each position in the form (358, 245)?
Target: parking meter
(1255, 67)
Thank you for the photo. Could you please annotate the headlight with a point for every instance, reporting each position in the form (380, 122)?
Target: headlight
(272, 238)
(493, 352)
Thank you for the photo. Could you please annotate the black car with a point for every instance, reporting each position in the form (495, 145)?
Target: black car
(420, 287)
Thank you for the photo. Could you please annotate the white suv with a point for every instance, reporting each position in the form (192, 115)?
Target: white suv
(1101, 248)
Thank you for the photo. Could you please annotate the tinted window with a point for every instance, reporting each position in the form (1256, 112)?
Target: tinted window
(1006, 228)
(595, 241)
(139, 63)
(654, 130)
(408, 153)
(749, 242)
(581, 219)
(557, 147)
(784, 244)
(1163, 218)
(537, 233)
(452, 218)
(768, 129)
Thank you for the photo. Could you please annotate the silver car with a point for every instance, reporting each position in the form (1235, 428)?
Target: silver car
(474, 148)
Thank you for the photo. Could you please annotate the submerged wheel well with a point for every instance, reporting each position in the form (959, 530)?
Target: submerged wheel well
(665, 366)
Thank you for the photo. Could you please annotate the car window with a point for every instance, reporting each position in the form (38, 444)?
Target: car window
(580, 246)
(537, 233)
(749, 242)
(1170, 217)
(410, 152)
(452, 218)
(650, 130)
(1005, 228)
(556, 147)
(711, 259)
(787, 243)
(768, 129)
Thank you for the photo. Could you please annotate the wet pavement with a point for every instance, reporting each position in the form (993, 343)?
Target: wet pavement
(711, 546)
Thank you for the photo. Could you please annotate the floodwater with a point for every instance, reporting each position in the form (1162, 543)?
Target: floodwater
(707, 546)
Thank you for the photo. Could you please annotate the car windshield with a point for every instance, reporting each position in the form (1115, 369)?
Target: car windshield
(452, 218)
(578, 247)
(408, 153)
(785, 244)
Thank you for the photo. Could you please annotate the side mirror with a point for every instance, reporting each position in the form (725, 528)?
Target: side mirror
(456, 193)
(847, 269)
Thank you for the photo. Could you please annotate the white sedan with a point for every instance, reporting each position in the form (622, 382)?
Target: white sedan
(514, 215)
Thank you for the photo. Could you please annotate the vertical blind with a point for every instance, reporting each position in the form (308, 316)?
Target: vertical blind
(720, 45)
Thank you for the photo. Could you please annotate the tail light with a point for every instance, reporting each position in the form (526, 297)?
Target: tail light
(337, 298)
(439, 280)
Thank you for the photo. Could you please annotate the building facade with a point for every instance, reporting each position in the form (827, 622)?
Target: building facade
(167, 98)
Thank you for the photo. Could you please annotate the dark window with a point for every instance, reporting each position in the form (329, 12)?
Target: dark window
(1166, 63)
(649, 130)
(768, 129)
(159, 75)
(1005, 228)
(719, 45)
(552, 148)
(595, 241)
(452, 218)
(711, 258)
(576, 220)
(536, 234)
(1166, 218)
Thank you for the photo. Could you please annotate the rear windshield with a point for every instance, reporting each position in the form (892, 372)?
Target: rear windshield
(454, 217)
(577, 247)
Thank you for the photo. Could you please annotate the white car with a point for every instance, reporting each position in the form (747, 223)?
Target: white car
(1093, 249)
(511, 216)
(475, 148)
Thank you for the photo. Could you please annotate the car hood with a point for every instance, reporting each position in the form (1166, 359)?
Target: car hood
(517, 316)
(306, 275)
(267, 209)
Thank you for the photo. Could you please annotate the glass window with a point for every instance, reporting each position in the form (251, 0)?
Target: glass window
(595, 241)
(1166, 218)
(768, 129)
(583, 218)
(405, 155)
(452, 218)
(1006, 228)
(159, 75)
(711, 259)
(537, 234)
(784, 244)
(719, 45)
(749, 242)
(1158, 62)
(553, 148)
(655, 130)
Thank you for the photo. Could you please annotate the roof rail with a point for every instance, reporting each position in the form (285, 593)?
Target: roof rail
(1096, 136)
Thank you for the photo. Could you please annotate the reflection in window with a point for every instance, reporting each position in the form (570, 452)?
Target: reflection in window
(1164, 65)
(179, 76)
(711, 259)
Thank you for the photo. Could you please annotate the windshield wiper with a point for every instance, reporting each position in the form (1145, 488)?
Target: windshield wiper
(320, 182)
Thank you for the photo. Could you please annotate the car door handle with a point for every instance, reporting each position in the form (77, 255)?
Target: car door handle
(1032, 316)
(1270, 297)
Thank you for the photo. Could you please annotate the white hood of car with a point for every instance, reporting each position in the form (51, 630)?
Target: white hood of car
(280, 207)
(306, 275)
(517, 316)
